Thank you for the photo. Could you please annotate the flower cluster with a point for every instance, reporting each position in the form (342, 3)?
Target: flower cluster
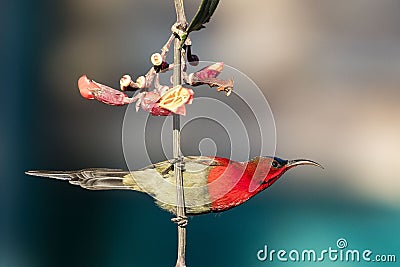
(151, 96)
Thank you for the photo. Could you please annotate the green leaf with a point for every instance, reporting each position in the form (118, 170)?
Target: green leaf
(203, 15)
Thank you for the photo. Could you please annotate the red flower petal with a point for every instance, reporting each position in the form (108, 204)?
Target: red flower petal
(90, 89)
(211, 71)
(149, 100)
(84, 85)
(159, 111)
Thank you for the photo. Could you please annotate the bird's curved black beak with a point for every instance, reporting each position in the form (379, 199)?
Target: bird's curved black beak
(297, 162)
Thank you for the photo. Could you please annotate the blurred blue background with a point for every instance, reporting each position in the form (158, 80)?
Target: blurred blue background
(330, 71)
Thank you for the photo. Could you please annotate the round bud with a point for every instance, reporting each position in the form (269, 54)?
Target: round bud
(141, 82)
(193, 60)
(156, 59)
(125, 81)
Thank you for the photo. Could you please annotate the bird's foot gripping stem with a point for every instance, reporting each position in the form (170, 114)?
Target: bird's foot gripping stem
(181, 164)
(181, 221)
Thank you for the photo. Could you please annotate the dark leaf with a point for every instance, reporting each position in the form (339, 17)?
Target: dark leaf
(203, 15)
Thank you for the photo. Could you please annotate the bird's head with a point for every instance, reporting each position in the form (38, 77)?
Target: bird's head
(277, 166)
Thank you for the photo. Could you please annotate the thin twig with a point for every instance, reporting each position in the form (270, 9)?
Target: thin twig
(165, 48)
(177, 80)
(180, 13)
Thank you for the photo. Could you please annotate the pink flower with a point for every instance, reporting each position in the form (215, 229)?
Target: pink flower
(90, 89)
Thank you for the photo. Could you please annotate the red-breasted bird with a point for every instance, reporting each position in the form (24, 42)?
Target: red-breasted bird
(211, 184)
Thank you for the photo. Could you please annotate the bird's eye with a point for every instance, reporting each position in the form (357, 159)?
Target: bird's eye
(275, 164)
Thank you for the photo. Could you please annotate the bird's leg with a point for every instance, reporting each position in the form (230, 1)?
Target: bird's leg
(181, 162)
(181, 165)
(181, 221)
(165, 172)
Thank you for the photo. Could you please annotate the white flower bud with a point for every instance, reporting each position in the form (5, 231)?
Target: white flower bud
(141, 82)
(156, 59)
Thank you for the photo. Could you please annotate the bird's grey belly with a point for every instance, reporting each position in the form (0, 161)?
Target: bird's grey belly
(163, 189)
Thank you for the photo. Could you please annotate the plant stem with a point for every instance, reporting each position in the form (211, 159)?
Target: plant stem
(180, 13)
(177, 80)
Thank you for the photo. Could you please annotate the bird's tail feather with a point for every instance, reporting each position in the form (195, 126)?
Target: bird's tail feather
(93, 179)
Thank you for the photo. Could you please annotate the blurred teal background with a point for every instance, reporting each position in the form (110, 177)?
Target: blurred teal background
(329, 69)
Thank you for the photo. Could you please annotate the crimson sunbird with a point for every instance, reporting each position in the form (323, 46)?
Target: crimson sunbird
(211, 184)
